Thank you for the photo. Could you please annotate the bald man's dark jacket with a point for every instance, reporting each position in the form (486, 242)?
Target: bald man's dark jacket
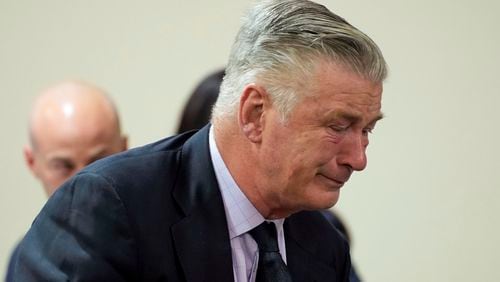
(155, 213)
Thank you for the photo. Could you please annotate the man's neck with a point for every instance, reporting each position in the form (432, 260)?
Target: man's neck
(243, 166)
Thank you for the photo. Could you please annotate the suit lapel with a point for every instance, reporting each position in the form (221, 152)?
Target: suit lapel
(201, 238)
(302, 253)
(203, 248)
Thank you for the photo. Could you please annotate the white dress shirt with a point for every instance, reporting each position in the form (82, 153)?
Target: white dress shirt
(242, 217)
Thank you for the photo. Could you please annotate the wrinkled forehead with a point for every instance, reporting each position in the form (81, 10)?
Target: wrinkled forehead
(340, 82)
(332, 91)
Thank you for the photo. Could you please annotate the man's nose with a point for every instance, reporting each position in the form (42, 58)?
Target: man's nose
(353, 153)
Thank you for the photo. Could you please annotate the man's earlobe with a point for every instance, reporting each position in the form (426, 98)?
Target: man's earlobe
(251, 112)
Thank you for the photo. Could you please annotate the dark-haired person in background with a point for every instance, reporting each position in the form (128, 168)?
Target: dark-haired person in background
(196, 114)
(198, 108)
(238, 199)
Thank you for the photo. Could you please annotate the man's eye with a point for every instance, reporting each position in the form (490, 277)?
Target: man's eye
(62, 166)
(339, 128)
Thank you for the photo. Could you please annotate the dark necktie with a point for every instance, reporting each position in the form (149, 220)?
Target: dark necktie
(271, 266)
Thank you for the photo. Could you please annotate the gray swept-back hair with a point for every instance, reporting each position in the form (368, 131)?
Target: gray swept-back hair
(280, 43)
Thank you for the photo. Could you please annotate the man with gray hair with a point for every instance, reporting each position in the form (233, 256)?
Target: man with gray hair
(236, 200)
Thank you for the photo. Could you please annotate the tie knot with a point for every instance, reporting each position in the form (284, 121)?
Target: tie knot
(266, 237)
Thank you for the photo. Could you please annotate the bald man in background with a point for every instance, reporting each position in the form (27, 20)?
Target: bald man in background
(71, 125)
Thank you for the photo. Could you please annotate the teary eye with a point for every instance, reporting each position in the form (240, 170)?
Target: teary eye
(339, 128)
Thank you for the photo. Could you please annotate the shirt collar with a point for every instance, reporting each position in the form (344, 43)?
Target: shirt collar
(241, 215)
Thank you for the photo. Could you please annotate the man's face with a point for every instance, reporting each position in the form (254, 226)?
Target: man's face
(62, 152)
(309, 158)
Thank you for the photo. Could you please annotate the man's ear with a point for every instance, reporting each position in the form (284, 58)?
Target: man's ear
(124, 142)
(251, 112)
(29, 158)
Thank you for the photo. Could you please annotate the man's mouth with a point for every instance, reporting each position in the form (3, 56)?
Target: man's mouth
(335, 181)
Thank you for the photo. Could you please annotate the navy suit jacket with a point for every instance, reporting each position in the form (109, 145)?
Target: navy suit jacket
(155, 213)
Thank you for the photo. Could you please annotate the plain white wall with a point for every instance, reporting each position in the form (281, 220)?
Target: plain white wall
(426, 209)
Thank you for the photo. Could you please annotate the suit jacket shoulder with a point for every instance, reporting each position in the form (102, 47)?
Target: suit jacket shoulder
(149, 214)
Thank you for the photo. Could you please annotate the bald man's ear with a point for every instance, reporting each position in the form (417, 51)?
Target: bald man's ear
(251, 112)
(124, 142)
(29, 158)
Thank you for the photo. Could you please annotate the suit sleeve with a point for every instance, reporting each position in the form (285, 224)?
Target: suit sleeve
(81, 234)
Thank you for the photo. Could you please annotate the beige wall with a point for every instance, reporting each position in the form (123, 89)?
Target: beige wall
(427, 207)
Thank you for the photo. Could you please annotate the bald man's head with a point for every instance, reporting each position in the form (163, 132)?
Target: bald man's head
(71, 125)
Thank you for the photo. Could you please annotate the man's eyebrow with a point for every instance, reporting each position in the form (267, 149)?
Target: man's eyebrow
(353, 117)
(377, 118)
(349, 116)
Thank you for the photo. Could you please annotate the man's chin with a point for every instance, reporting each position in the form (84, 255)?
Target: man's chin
(330, 204)
(325, 201)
